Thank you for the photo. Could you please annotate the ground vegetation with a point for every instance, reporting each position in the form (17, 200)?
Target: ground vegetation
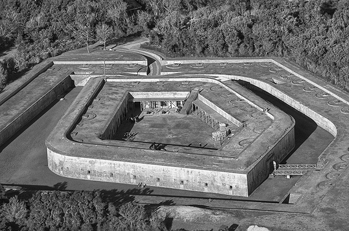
(79, 210)
(37, 30)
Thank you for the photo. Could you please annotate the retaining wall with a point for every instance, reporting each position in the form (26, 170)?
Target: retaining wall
(262, 168)
(144, 63)
(25, 80)
(152, 175)
(113, 123)
(25, 116)
(220, 111)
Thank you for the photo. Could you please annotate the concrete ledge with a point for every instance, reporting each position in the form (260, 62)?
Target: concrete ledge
(220, 111)
(27, 114)
(144, 63)
(309, 81)
(134, 173)
(25, 80)
(217, 60)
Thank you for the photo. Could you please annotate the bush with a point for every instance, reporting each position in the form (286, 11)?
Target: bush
(2, 191)
(10, 65)
(76, 211)
(15, 211)
(3, 75)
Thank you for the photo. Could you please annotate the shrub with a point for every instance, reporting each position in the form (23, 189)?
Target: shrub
(15, 211)
(2, 191)
(3, 75)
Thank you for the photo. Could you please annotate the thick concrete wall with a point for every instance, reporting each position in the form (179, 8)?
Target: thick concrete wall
(35, 109)
(263, 167)
(195, 61)
(25, 80)
(220, 111)
(144, 63)
(188, 105)
(113, 123)
(152, 175)
(160, 95)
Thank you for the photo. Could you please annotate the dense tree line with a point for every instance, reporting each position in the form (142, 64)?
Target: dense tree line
(82, 210)
(312, 33)
(41, 29)
(77, 210)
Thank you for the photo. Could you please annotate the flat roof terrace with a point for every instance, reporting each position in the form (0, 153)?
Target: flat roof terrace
(260, 70)
(108, 69)
(99, 56)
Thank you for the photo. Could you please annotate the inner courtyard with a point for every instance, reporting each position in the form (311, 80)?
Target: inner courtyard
(164, 129)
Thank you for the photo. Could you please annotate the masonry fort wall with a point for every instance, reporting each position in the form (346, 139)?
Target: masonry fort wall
(113, 123)
(23, 118)
(261, 169)
(153, 175)
(35, 72)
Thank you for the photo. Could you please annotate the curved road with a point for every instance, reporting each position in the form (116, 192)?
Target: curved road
(154, 60)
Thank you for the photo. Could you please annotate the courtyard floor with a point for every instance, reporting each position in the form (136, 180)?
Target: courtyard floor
(174, 129)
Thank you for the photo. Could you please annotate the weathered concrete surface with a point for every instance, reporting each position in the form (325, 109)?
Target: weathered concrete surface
(23, 160)
(99, 56)
(188, 105)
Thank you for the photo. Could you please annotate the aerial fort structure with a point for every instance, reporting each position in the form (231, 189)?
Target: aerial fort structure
(221, 127)
(186, 133)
